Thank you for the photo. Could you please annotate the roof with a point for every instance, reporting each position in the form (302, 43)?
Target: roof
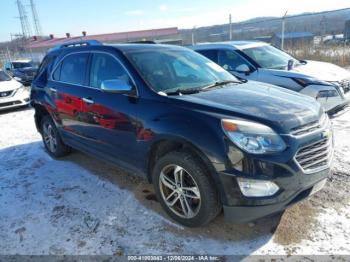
(238, 45)
(123, 47)
(134, 47)
(291, 35)
(106, 38)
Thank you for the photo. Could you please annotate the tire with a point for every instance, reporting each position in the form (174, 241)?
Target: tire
(202, 198)
(52, 140)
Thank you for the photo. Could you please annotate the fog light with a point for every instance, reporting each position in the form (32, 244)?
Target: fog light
(256, 188)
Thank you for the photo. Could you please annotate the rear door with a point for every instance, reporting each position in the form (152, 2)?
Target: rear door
(68, 89)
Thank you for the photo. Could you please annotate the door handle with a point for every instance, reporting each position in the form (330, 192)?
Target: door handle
(88, 100)
(53, 90)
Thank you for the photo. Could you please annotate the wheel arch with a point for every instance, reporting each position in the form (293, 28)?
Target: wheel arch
(167, 145)
(40, 112)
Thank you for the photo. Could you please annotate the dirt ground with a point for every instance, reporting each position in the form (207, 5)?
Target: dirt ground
(80, 205)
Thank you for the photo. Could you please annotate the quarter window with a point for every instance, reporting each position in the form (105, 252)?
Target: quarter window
(105, 67)
(72, 69)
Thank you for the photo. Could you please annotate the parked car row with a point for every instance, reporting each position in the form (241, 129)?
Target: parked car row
(207, 140)
(327, 83)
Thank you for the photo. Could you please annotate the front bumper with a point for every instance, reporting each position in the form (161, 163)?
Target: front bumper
(18, 99)
(339, 110)
(245, 214)
(306, 161)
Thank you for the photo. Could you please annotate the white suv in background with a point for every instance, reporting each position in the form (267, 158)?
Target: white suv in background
(327, 83)
(12, 93)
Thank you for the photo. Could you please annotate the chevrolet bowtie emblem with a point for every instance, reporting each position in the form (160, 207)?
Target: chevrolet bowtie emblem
(326, 133)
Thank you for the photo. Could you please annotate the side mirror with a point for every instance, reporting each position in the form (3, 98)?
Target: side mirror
(243, 69)
(7, 68)
(116, 86)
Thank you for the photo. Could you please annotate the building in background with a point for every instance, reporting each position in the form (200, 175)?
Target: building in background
(36, 47)
(347, 30)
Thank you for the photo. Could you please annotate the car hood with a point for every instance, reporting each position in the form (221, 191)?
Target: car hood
(258, 101)
(26, 70)
(9, 85)
(320, 70)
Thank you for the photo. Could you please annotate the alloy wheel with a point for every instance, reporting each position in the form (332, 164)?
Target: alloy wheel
(180, 191)
(49, 137)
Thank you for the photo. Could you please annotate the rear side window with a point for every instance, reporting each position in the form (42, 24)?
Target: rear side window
(72, 69)
(210, 54)
(105, 67)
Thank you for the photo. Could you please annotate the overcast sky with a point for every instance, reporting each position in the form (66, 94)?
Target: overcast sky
(107, 16)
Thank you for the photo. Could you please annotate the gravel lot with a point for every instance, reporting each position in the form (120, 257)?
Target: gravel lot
(80, 205)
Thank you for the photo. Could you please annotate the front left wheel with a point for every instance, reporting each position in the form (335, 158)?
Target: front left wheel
(185, 190)
(52, 139)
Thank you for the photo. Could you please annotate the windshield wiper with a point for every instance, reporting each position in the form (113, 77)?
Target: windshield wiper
(180, 91)
(221, 83)
(189, 91)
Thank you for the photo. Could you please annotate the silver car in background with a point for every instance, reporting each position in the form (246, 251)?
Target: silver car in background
(327, 83)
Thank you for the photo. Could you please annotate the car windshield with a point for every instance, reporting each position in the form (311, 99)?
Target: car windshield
(269, 57)
(4, 76)
(167, 70)
(18, 65)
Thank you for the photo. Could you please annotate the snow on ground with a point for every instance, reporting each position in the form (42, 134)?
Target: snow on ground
(80, 205)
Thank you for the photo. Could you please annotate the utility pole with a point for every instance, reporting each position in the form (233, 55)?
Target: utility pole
(230, 21)
(193, 30)
(37, 26)
(323, 24)
(283, 28)
(26, 31)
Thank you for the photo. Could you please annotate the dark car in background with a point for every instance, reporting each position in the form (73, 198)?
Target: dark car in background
(206, 140)
(23, 70)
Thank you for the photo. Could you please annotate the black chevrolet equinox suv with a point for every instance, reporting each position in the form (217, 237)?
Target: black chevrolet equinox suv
(207, 141)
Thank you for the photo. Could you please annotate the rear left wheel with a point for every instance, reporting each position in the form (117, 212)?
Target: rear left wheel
(51, 138)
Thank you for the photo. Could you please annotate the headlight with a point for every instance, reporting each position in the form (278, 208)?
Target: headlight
(257, 188)
(327, 93)
(310, 81)
(22, 89)
(252, 137)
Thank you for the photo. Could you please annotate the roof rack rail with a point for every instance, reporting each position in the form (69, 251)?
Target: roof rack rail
(76, 44)
(142, 42)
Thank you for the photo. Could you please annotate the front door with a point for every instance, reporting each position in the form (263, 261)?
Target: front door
(114, 124)
(233, 61)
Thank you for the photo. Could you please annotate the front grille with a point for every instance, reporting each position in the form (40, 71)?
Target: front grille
(345, 84)
(315, 156)
(310, 127)
(5, 94)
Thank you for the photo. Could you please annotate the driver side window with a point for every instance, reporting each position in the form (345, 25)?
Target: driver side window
(105, 67)
(230, 60)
